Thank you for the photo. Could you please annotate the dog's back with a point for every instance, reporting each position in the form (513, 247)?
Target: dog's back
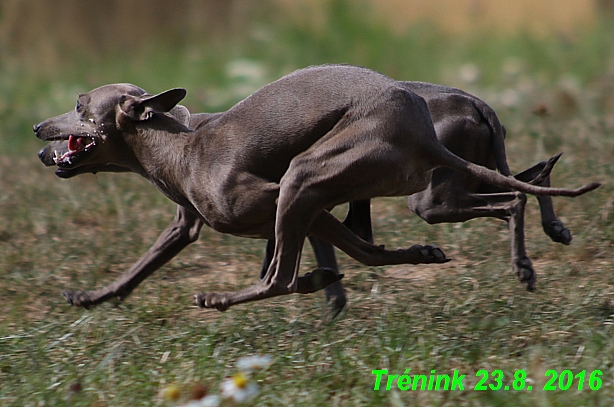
(288, 116)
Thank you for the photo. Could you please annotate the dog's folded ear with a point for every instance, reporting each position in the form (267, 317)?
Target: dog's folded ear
(181, 114)
(143, 107)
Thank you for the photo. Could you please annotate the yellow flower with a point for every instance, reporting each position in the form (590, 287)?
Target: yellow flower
(239, 388)
(171, 392)
(240, 380)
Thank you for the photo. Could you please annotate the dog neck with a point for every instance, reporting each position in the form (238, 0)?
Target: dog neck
(163, 155)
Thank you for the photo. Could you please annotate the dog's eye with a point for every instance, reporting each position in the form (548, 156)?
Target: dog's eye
(79, 107)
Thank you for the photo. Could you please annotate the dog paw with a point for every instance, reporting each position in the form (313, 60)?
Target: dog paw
(526, 275)
(557, 232)
(429, 254)
(316, 280)
(336, 299)
(78, 298)
(212, 300)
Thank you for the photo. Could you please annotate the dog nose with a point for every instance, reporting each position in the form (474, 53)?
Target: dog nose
(36, 127)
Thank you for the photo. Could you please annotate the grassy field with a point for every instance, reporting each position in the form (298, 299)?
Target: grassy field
(466, 316)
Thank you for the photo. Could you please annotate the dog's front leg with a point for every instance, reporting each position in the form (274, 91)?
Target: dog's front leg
(182, 231)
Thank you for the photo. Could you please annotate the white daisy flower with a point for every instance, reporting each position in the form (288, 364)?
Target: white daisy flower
(249, 363)
(207, 401)
(239, 388)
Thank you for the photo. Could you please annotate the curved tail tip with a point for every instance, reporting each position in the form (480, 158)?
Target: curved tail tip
(593, 185)
(589, 187)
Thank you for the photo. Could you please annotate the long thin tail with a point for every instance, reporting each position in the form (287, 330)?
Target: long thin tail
(496, 179)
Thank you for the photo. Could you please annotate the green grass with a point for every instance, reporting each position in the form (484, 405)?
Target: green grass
(468, 315)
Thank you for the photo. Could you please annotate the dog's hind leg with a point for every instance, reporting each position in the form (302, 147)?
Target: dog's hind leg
(182, 231)
(329, 229)
(358, 219)
(326, 259)
(268, 257)
(287, 252)
(552, 225)
(508, 206)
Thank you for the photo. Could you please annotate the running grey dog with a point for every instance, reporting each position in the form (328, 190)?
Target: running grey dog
(469, 128)
(270, 167)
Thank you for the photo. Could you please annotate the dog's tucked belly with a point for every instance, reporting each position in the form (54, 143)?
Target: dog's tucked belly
(264, 230)
(244, 226)
(409, 184)
(239, 208)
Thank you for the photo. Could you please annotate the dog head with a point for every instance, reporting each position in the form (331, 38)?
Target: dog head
(94, 136)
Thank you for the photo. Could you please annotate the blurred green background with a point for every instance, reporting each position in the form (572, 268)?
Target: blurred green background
(545, 66)
(223, 50)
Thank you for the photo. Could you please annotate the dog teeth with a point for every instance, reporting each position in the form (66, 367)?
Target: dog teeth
(91, 144)
(76, 144)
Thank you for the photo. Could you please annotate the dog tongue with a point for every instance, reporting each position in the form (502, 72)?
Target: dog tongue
(75, 143)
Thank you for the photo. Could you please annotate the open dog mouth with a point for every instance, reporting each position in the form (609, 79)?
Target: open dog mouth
(77, 145)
